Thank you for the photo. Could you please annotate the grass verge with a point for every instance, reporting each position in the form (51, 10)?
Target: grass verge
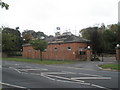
(38, 61)
(110, 66)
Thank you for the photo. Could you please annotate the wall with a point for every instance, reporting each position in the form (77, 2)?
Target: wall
(61, 53)
(117, 53)
(29, 52)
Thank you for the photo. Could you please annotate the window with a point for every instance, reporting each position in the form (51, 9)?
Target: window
(69, 48)
(55, 49)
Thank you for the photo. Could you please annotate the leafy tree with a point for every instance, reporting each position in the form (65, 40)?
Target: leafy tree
(95, 35)
(4, 5)
(39, 45)
(31, 34)
(11, 41)
(27, 37)
(8, 42)
(103, 39)
(112, 37)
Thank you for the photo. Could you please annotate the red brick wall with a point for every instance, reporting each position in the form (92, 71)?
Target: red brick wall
(118, 54)
(62, 52)
(29, 52)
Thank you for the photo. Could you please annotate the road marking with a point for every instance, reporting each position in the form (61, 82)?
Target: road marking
(64, 78)
(73, 82)
(33, 69)
(100, 86)
(71, 67)
(62, 72)
(15, 69)
(16, 64)
(46, 76)
(69, 72)
(63, 81)
(12, 85)
(91, 78)
(88, 74)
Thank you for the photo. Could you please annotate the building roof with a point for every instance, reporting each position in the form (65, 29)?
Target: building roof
(67, 38)
(26, 45)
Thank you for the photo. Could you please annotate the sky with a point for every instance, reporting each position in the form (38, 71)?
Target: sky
(69, 15)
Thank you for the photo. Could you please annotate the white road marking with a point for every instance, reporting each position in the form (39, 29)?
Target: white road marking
(64, 78)
(47, 77)
(62, 72)
(88, 74)
(15, 69)
(45, 74)
(100, 86)
(33, 69)
(71, 67)
(16, 86)
(65, 81)
(73, 82)
(91, 78)
(69, 72)
(16, 64)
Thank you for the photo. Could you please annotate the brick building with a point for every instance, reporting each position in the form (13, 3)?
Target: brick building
(62, 47)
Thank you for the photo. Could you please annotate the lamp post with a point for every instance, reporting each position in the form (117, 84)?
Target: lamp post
(88, 47)
(118, 45)
(88, 53)
(117, 52)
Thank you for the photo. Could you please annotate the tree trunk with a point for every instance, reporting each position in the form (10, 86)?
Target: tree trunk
(41, 56)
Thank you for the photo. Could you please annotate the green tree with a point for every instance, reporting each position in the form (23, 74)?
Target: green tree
(112, 37)
(4, 5)
(95, 35)
(39, 45)
(8, 42)
(18, 41)
(104, 39)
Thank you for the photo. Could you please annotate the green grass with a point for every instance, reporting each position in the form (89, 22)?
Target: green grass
(38, 61)
(111, 66)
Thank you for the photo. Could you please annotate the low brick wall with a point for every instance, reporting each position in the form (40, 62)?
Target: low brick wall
(118, 53)
(60, 53)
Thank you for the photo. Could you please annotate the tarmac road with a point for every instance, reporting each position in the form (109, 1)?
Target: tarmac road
(80, 75)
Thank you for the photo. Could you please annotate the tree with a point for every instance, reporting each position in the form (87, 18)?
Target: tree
(112, 37)
(104, 39)
(39, 45)
(4, 5)
(94, 34)
(32, 35)
(15, 32)
(8, 42)
(27, 37)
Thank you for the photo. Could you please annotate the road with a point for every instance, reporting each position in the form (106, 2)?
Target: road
(79, 75)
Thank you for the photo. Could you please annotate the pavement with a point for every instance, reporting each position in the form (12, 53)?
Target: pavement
(83, 74)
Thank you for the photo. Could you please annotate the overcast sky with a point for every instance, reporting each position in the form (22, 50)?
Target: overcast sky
(46, 15)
